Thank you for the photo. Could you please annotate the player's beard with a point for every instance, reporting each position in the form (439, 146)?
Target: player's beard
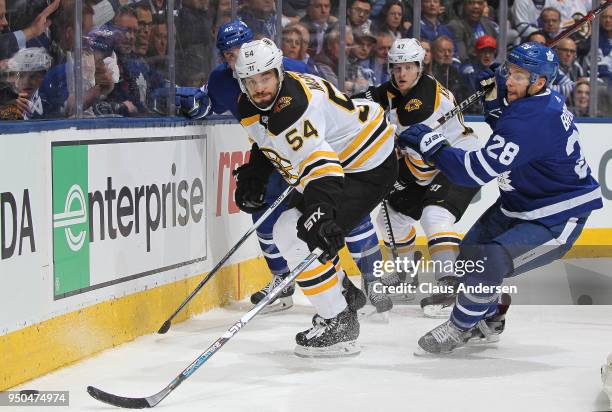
(263, 100)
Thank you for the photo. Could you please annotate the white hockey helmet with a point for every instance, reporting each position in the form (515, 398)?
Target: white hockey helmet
(255, 57)
(30, 59)
(405, 51)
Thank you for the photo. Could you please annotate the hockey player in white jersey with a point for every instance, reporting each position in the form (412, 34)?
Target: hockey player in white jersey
(339, 156)
(546, 188)
(422, 194)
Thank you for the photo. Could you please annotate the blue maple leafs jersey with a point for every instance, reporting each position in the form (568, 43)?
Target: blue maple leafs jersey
(535, 154)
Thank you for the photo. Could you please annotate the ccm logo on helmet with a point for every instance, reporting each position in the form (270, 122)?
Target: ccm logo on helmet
(312, 219)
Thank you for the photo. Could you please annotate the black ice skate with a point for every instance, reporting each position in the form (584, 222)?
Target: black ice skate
(443, 339)
(440, 305)
(284, 301)
(330, 338)
(380, 300)
(355, 298)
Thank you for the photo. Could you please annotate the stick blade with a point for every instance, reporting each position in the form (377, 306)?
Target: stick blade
(119, 401)
(165, 327)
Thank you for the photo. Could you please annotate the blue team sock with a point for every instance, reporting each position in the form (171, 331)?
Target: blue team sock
(471, 307)
(276, 262)
(362, 242)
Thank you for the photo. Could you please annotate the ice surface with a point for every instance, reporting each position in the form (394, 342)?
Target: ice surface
(547, 360)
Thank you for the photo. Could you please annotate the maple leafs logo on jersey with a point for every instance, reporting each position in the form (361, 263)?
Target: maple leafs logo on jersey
(282, 102)
(413, 104)
(504, 182)
(550, 56)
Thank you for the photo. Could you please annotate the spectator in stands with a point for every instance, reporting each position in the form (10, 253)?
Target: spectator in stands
(57, 92)
(486, 47)
(566, 51)
(158, 47)
(195, 42)
(362, 50)
(145, 23)
(137, 77)
(525, 14)
(537, 36)
(378, 61)
(581, 98)
(358, 15)
(551, 22)
(431, 26)
(260, 16)
(317, 20)
(444, 71)
(427, 60)
(470, 27)
(327, 60)
(391, 20)
(25, 73)
(291, 43)
(604, 65)
(158, 8)
(359, 75)
(567, 9)
(11, 42)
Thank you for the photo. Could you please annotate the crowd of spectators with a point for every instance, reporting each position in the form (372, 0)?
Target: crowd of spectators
(124, 67)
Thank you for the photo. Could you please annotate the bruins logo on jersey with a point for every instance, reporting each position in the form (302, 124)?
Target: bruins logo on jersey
(282, 102)
(282, 165)
(413, 104)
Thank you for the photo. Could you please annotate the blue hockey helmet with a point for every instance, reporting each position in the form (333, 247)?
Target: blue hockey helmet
(103, 38)
(537, 59)
(233, 34)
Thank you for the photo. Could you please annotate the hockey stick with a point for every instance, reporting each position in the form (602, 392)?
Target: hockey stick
(389, 228)
(574, 27)
(151, 401)
(166, 326)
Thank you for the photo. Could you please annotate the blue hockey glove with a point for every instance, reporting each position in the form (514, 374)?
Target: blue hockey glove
(318, 229)
(422, 140)
(493, 84)
(193, 102)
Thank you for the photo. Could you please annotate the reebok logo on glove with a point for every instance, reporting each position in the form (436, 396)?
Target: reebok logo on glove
(312, 219)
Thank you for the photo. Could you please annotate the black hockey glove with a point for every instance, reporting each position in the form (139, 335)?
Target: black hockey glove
(318, 229)
(250, 189)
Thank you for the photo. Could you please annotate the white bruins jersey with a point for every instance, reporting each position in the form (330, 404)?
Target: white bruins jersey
(314, 131)
(426, 103)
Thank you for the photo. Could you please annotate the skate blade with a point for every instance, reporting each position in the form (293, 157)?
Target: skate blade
(280, 305)
(401, 298)
(338, 350)
(370, 314)
(437, 311)
(419, 352)
(483, 340)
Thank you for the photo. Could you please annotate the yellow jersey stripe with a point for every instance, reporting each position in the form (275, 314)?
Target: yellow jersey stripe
(247, 121)
(440, 248)
(314, 156)
(362, 136)
(331, 282)
(331, 170)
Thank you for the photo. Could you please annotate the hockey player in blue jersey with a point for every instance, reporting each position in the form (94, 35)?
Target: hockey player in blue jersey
(546, 188)
(223, 91)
